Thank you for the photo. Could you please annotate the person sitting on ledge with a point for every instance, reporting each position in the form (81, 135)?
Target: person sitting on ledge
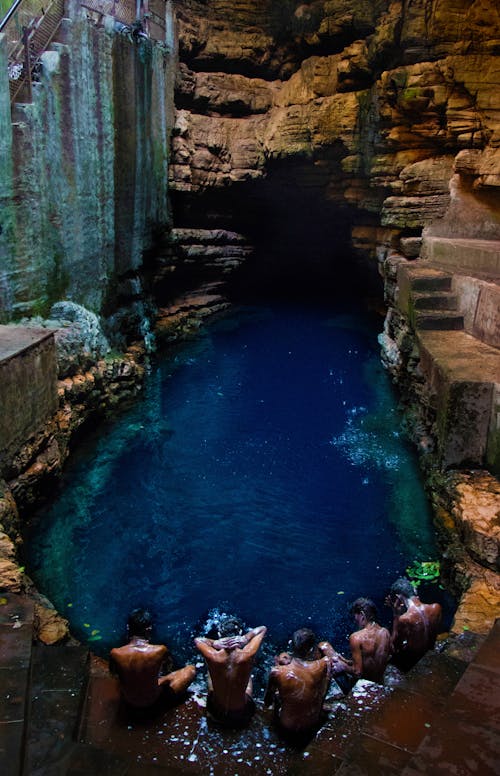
(370, 648)
(139, 663)
(230, 659)
(415, 625)
(297, 687)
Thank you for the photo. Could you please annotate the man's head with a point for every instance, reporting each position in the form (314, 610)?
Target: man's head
(229, 626)
(402, 587)
(304, 641)
(366, 607)
(140, 623)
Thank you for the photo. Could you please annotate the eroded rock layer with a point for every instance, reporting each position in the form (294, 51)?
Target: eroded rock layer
(375, 118)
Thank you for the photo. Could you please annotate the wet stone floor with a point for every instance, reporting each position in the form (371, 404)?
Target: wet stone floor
(183, 740)
(441, 718)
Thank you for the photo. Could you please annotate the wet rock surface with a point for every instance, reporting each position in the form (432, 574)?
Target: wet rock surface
(383, 112)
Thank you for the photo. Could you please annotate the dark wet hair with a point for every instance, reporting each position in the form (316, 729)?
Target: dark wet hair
(365, 606)
(229, 626)
(139, 622)
(304, 640)
(404, 587)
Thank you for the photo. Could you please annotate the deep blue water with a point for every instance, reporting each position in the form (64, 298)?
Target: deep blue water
(263, 473)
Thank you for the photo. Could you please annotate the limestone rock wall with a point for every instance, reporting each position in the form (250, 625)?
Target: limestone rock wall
(84, 169)
(385, 116)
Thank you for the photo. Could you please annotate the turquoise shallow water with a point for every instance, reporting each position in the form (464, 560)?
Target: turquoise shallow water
(262, 472)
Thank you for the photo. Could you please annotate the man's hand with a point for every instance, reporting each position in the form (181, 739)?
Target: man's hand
(230, 642)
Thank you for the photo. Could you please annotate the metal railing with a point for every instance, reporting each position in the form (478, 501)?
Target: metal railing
(31, 25)
(151, 14)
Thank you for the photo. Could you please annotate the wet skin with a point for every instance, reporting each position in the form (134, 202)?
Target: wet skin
(138, 665)
(230, 662)
(371, 649)
(299, 688)
(414, 629)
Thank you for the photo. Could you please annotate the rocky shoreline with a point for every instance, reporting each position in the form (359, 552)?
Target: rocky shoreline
(34, 471)
(466, 502)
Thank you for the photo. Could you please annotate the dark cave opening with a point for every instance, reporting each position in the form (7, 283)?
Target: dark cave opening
(300, 239)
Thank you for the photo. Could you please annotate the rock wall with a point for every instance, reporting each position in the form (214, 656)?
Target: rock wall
(84, 174)
(86, 389)
(377, 118)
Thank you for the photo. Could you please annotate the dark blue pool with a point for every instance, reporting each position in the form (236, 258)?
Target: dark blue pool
(262, 472)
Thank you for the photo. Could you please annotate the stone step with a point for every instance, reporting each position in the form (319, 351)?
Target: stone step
(16, 635)
(374, 730)
(58, 683)
(435, 300)
(443, 320)
(427, 279)
(461, 254)
(468, 730)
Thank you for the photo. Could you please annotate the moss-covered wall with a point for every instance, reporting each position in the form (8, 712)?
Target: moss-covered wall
(84, 180)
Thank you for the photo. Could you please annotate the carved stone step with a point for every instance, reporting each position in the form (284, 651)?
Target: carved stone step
(438, 300)
(444, 320)
(430, 280)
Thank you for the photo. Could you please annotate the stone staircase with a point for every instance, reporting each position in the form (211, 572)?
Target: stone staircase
(456, 320)
(425, 295)
(442, 717)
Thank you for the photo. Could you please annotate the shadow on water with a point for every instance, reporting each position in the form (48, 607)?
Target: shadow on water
(262, 472)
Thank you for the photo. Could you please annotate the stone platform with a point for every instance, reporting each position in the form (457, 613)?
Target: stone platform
(463, 254)
(28, 389)
(16, 339)
(442, 717)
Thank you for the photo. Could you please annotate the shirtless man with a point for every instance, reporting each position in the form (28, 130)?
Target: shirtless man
(230, 659)
(297, 686)
(415, 625)
(370, 646)
(139, 663)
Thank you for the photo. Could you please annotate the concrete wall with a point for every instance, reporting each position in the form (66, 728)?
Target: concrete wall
(84, 169)
(28, 385)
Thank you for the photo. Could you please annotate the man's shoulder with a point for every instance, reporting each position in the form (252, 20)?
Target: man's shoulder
(118, 651)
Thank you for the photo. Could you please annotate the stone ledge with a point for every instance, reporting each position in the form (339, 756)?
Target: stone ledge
(462, 253)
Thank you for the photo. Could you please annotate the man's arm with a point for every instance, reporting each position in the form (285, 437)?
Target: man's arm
(356, 668)
(398, 606)
(254, 639)
(271, 688)
(207, 649)
(338, 662)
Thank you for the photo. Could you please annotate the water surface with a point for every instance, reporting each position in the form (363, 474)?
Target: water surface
(262, 472)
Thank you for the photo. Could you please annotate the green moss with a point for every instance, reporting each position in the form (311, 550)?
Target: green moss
(4, 7)
(56, 286)
(411, 93)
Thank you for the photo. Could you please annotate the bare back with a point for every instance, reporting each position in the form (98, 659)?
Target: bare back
(415, 631)
(138, 666)
(230, 667)
(370, 649)
(230, 674)
(301, 686)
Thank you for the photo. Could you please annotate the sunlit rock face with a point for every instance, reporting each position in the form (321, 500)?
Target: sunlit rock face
(338, 126)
